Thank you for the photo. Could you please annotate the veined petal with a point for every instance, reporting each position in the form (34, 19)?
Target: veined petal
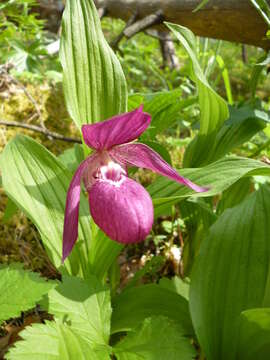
(119, 129)
(70, 232)
(124, 211)
(143, 156)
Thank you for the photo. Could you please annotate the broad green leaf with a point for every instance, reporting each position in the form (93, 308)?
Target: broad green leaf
(164, 107)
(132, 306)
(85, 306)
(39, 342)
(219, 176)
(214, 110)
(198, 216)
(94, 83)
(71, 158)
(234, 195)
(10, 210)
(20, 290)
(243, 123)
(72, 346)
(158, 338)
(230, 274)
(254, 343)
(176, 284)
(37, 182)
(103, 252)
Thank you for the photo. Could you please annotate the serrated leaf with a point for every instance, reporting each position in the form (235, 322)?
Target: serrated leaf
(254, 343)
(72, 346)
(94, 83)
(230, 274)
(219, 176)
(85, 306)
(39, 342)
(213, 108)
(158, 338)
(20, 290)
(37, 182)
(54, 341)
(132, 306)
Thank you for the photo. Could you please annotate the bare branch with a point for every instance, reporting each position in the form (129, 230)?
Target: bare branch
(231, 20)
(39, 129)
(23, 88)
(114, 44)
(144, 24)
(168, 53)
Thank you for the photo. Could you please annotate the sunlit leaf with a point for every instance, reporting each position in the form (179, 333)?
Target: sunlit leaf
(37, 182)
(165, 108)
(84, 305)
(214, 110)
(219, 176)
(230, 274)
(39, 342)
(94, 83)
(103, 252)
(72, 346)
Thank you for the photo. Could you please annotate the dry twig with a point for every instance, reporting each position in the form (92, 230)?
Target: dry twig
(44, 131)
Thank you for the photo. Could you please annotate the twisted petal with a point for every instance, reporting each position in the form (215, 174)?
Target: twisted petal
(143, 156)
(119, 129)
(123, 212)
(70, 232)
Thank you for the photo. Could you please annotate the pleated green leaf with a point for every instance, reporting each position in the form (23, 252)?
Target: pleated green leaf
(254, 343)
(242, 124)
(214, 110)
(134, 305)
(94, 83)
(165, 108)
(234, 195)
(103, 252)
(230, 275)
(37, 182)
(158, 338)
(219, 176)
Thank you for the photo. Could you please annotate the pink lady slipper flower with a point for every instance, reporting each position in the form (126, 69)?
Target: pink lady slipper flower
(120, 206)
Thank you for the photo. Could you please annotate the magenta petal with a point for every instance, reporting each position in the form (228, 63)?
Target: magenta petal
(119, 129)
(124, 211)
(70, 232)
(143, 156)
